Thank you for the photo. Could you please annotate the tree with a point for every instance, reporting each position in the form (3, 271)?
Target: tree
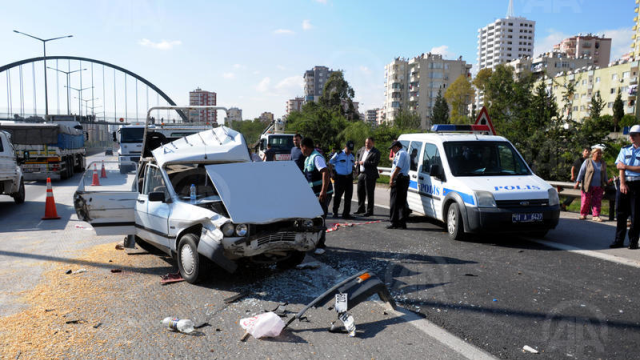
(337, 94)
(320, 123)
(481, 80)
(440, 110)
(628, 120)
(597, 104)
(618, 110)
(406, 119)
(459, 95)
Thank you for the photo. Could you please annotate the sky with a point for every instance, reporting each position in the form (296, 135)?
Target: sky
(253, 54)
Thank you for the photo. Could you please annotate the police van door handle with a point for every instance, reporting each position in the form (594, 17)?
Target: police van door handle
(414, 176)
(421, 178)
(141, 201)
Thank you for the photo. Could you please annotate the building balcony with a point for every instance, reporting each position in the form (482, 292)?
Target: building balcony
(414, 79)
(633, 81)
(396, 90)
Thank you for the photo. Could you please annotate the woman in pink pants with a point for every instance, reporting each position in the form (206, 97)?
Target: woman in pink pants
(592, 177)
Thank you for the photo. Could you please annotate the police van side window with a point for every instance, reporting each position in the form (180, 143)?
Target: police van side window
(414, 155)
(431, 157)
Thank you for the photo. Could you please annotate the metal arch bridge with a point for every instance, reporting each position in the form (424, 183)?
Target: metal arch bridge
(118, 112)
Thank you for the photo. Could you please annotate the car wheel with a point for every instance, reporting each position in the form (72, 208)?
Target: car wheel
(454, 222)
(292, 261)
(20, 195)
(188, 258)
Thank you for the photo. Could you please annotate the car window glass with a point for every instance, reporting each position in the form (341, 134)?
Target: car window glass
(414, 154)
(182, 176)
(405, 144)
(154, 181)
(141, 176)
(1, 145)
(431, 157)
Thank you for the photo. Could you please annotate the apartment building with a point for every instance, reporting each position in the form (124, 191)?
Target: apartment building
(595, 46)
(199, 97)
(234, 114)
(370, 117)
(549, 64)
(267, 117)
(294, 104)
(380, 116)
(413, 84)
(314, 81)
(622, 75)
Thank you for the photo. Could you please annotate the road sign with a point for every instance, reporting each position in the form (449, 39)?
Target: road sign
(484, 119)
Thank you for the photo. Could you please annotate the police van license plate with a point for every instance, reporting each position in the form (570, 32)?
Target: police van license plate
(526, 218)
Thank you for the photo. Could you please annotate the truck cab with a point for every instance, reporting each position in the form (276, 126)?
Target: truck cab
(476, 183)
(280, 142)
(11, 180)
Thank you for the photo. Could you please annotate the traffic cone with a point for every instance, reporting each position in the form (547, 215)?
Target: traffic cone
(96, 180)
(103, 172)
(50, 212)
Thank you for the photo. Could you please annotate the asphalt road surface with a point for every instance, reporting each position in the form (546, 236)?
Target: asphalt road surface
(493, 294)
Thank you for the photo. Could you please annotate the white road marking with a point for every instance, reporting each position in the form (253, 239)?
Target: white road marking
(595, 254)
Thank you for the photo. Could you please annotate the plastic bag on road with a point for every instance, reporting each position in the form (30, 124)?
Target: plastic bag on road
(264, 325)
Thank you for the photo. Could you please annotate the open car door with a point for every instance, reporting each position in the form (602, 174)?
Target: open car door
(106, 199)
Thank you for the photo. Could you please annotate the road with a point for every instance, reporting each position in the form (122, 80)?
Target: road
(483, 296)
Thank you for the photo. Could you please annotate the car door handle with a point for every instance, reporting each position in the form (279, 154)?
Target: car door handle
(414, 176)
(141, 201)
(421, 178)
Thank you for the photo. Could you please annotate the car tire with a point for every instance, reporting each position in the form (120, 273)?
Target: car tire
(189, 261)
(20, 195)
(292, 261)
(454, 224)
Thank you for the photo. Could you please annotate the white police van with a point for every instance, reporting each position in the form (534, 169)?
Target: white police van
(476, 183)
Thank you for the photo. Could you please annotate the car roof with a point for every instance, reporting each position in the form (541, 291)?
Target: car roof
(445, 137)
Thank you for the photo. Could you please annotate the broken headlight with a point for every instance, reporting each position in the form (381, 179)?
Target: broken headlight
(228, 229)
(242, 230)
(307, 223)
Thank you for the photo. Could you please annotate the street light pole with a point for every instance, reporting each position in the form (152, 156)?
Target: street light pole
(67, 73)
(44, 45)
(79, 97)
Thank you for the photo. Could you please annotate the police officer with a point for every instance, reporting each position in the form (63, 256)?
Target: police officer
(399, 182)
(317, 174)
(343, 162)
(628, 193)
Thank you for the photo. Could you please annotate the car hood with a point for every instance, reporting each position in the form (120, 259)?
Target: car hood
(264, 192)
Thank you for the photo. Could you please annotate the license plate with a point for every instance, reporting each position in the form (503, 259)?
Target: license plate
(283, 157)
(526, 218)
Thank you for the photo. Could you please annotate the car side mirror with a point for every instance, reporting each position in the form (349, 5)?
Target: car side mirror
(156, 196)
(437, 171)
(115, 138)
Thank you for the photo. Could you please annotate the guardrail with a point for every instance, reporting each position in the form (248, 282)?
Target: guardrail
(384, 171)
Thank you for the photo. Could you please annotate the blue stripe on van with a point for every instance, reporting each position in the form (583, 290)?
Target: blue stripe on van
(465, 197)
(413, 185)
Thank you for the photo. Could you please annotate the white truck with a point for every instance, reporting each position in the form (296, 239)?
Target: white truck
(280, 141)
(11, 180)
(48, 150)
(130, 139)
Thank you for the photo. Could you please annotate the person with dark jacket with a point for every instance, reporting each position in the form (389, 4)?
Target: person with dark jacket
(367, 160)
(296, 153)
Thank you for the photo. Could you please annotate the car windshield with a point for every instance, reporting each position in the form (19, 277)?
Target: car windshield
(183, 175)
(131, 135)
(484, 158)
(281, 143)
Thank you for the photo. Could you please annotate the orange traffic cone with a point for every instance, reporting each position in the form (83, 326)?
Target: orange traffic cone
(103, 172)
(50, 212)
(96, 181)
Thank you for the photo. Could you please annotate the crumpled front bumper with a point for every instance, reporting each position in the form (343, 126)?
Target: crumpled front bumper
(272, 242)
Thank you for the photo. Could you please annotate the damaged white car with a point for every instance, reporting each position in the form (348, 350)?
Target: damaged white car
(201, 199)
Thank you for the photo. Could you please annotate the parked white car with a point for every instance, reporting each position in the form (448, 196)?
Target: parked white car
(264, 212)
(11, 180)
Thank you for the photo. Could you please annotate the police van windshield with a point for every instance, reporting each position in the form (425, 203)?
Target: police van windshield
(281, 143)
(484, 158)
(131, 135)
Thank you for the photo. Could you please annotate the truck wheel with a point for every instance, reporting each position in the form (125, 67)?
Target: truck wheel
(455, 227)
(292, 261)
(123, 169)
(189, 260)
(64, 174)
(20, 195)
(70, 167)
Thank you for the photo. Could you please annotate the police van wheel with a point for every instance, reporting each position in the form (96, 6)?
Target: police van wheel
(188, 258)
(454, 222)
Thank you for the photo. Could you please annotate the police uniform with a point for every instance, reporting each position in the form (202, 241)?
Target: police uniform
(628, 204)
(312, 166)
(343, 181)
(399, 190)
